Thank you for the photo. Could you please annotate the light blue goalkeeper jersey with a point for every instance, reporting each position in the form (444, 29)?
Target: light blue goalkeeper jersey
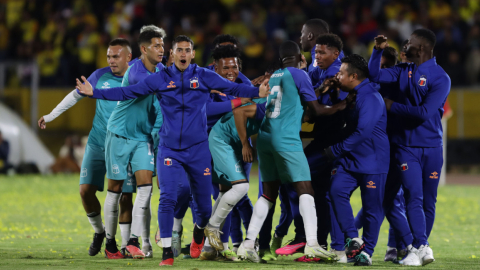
(135, 119)
(102, 78)
(280, 129)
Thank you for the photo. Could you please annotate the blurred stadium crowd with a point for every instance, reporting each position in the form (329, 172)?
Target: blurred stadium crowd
(69, 38)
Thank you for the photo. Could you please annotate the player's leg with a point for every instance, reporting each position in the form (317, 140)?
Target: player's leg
(183, 200)
(242, 212)
(198, 167)
(125, 219)
(432, 167)
(372, 188)
(286, 219)
(92, 178)
(343, 185)
(265, 233)
(142, 161)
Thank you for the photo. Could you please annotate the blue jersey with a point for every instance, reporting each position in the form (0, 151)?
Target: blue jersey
(327, 130)
(280, 129)
(102, 79)
(134, 119)
(366, 150)
(423, 91)
(226, 129)
(183, 97)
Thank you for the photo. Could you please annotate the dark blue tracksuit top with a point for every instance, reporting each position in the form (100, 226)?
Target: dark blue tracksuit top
(423, 91)
(183, 97)
(366, 150)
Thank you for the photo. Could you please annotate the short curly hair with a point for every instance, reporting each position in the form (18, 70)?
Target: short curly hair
(227, 51)
(224, 38)
(357, 65)
(331, 40)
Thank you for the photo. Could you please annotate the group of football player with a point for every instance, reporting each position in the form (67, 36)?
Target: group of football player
(191, 126)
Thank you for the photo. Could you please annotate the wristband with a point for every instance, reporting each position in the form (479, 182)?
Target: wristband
(237, 102)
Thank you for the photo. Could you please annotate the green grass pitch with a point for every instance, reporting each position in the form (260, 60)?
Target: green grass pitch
(43, 226)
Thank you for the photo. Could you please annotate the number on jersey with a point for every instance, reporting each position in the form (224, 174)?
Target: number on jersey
(275, 102)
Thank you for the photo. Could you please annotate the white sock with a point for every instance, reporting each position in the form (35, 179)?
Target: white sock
(146, 227)
(177, 224)
(217, 201)
(225, 246)
(227, 202)
(391, 248)
(167, 242)
(260, 211)
(309, 215)
(96, 222)
(125, 232)
(111, 213)
(140, 209)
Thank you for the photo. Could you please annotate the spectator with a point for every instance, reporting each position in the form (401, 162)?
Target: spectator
(69, 159)
(48, 62)
(4, 152)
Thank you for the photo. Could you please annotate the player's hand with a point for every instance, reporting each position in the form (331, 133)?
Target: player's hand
(85, 89)
(381, 42)
(247, 153)
(351, 98)
(215, 92)
(246, 100)
(41, 123)
(262, 78)
(329, 83)
(388, 103)
(303, 63)
(264, 89)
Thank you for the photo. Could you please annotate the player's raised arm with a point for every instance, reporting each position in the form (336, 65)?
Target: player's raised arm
(241, 116)
(215, 81)
(71, 99)
(377, 74)
(145, 87)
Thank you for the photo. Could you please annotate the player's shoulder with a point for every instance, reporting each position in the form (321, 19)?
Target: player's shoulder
(298, 75)
(97, 74)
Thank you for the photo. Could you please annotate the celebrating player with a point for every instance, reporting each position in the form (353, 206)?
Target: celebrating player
(280, 150)
(417, 141)
(92, 177)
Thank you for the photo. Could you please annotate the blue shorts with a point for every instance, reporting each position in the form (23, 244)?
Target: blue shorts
(93, 170)
(227, 161)
(288, 167)
(121, 151)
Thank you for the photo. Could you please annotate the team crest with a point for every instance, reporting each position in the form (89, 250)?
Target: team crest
(167, 162)
(423, 80)
(84, 172)
(194, 83)
(334, 171)
(404, 167)
(115, 169)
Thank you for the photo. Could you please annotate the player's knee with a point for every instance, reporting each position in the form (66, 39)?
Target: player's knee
(126, 201)
(87, 192)
(167, 204)
(241, 188)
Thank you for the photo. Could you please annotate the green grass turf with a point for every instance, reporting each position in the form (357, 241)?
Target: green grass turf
(43, 226)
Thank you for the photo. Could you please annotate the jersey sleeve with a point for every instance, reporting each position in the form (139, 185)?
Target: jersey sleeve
(385, 75)
(215, 81)
(369, 113)
(151, 84)
(260, 113)
(216, 108)
(436, 96)
(304, 84)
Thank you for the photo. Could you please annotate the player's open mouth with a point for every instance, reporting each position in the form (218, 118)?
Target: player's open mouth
(231, 78)
(183, 61)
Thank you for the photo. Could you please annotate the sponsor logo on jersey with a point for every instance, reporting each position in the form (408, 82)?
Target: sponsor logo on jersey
(106, 85)
(410, 74)
(207, 171)
(152, 161)
(404, 167)
(115, 169)
(167, 161)
(334, 171)
(314, 62)
(194, 83)
(371, 184)
(171, 85)
(434, 175)
(84, 172)
(423, 80)
(277, 75)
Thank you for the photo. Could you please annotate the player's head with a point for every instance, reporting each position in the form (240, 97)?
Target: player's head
(226, 61)
(150, 41)
(310, 32)
(389, 57)
(353, 71)
(182, 51)
(403, 52)
(327, 49)
(421, 42)
(119, 53)
(290, 54)
(225, 39)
